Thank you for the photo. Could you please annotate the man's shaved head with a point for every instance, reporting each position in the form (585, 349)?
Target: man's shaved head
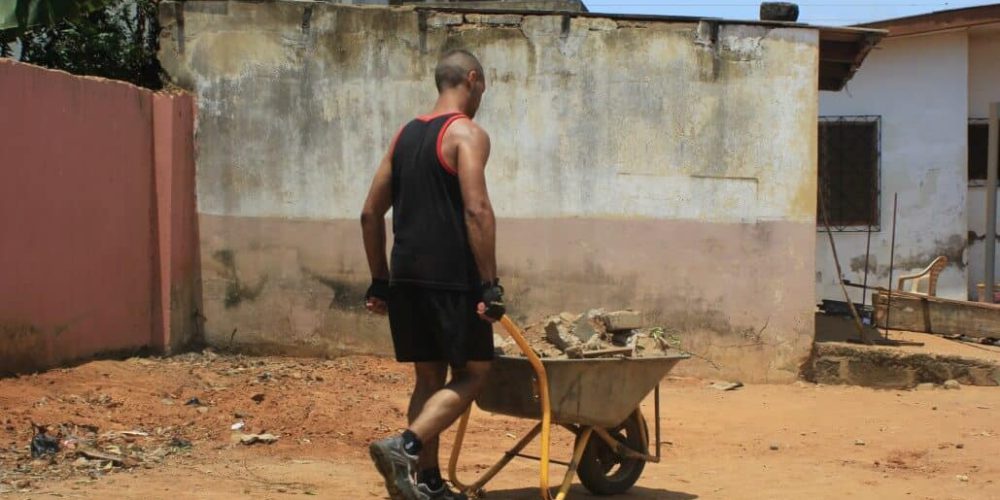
(453, 67)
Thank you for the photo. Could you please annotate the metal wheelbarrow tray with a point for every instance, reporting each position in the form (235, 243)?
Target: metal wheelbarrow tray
(597, 391)
(589, 397)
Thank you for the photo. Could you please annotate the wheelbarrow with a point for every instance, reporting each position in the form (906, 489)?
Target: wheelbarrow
(589, 397)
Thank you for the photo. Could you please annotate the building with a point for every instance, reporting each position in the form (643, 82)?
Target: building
(665, 164)
(911, 123)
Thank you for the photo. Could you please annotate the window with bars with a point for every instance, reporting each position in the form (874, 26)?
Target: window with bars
(979, 135)
(849, 157)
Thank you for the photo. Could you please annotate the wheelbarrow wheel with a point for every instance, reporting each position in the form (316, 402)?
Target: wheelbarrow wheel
(605, 472)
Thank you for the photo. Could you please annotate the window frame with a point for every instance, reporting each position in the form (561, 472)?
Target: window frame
(974, 121)
(876, 225)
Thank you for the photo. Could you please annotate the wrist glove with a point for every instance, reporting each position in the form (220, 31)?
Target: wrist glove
(379, 289)
(492, 297)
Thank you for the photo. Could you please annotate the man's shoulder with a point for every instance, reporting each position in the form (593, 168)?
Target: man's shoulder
(466, 127)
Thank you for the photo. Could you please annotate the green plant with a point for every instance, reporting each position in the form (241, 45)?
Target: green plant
(118, 41)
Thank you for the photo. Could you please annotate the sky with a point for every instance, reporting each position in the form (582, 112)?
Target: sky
(827, 12)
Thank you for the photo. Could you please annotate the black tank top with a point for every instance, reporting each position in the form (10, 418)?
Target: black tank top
(431, 244)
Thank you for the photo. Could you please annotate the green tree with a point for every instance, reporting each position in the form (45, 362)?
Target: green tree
(118, 41)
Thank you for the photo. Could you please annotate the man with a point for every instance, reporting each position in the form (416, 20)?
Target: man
(441, 290)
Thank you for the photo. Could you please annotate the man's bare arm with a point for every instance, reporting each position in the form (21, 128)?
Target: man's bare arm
(373, 225)
(473, 152)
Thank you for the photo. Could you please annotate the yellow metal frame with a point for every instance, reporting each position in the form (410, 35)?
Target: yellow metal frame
(544, 428)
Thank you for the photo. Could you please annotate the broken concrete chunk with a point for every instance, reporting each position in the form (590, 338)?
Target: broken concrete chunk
(617, 321)
(588, 325)
(596, 343)
(559, 334)
(571, 335)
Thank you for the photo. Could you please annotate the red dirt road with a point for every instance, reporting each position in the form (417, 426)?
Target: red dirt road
(832, 442)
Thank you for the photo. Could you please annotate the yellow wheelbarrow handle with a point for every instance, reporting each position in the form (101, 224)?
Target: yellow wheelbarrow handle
(546, 426)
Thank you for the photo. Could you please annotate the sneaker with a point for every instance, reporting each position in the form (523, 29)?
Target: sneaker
(445, 493)
(397, 467)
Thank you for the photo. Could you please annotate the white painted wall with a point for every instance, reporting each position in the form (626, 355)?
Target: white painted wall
(984, 87)
(918, 86)
(688, 131)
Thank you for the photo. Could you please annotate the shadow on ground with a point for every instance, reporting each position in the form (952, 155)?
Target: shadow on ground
(578, 491)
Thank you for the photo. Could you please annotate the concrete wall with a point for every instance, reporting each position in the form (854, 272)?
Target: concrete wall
(659, 165)
(80, 270)
(918, 87)
(984, 87)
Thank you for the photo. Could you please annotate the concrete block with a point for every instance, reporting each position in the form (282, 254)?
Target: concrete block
(616, 321)
(443, 20)
(494, 19)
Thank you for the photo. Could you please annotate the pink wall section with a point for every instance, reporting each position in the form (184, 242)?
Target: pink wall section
(81, 216)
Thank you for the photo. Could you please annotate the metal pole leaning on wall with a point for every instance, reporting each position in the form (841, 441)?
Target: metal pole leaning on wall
(991, 203)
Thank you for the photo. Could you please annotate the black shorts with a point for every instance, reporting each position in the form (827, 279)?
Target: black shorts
(438, 325)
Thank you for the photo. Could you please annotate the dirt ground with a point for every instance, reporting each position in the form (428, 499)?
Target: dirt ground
(759, 441)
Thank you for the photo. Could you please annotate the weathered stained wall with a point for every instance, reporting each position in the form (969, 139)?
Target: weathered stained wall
(984, 87)
(81, 173)
(917, 85)
(668, 166)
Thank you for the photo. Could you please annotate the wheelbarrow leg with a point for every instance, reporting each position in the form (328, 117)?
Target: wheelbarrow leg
(573, 464)
(473, 488)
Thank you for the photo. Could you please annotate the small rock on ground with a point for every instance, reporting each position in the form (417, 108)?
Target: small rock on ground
(726, 386)
(952, 384)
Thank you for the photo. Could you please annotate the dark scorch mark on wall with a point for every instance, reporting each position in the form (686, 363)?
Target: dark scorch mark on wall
(236, 291)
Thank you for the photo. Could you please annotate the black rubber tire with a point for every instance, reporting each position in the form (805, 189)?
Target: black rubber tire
(604, 472)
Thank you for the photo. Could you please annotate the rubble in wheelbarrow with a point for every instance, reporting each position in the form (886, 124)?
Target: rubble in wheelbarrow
(595, 333)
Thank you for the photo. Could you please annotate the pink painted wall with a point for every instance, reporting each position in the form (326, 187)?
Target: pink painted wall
(85, 165)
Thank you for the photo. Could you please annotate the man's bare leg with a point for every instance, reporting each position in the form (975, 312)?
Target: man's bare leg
(447, 404)
(431, 377)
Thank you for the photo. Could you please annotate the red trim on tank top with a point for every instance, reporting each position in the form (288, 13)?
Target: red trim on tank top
(444, 163)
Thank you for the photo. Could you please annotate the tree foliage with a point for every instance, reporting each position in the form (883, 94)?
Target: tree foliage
(117, 41)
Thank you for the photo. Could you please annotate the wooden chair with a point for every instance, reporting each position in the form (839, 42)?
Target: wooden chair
(930, 273)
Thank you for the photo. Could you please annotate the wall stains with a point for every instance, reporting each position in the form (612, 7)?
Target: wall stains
(346, 295)
(953, 248)
(236, 291)
(858, 264)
